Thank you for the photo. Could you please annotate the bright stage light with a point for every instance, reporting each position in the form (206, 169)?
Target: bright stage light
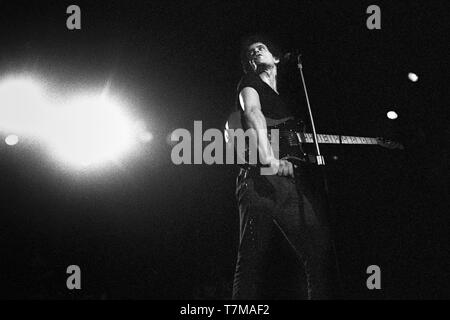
(91, 130)
(11, 140)
(22, 105)
(88, 130)
(413, 77)
(392, 115)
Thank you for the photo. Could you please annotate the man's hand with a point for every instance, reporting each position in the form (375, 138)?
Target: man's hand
(282, 168)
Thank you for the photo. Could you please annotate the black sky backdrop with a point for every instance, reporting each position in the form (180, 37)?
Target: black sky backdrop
(150, 229)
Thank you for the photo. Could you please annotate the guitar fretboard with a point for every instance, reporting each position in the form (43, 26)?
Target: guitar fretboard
(336, 139)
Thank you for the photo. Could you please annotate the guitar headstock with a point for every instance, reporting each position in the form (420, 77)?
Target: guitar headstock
(389, 144)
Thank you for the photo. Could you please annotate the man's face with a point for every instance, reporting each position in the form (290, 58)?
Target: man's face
(259, 54)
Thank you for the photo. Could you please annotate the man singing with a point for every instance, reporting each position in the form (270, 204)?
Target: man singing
(285, 250)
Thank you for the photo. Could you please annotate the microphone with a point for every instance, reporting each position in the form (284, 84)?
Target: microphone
(291, 56)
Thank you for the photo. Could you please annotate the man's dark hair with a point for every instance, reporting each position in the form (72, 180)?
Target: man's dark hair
(254, 38)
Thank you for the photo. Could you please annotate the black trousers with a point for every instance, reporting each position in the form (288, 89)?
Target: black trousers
(285, 249)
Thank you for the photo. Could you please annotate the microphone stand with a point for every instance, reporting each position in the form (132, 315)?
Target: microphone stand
(320, 161)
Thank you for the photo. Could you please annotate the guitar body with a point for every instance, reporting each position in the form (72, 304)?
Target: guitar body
(288, 146)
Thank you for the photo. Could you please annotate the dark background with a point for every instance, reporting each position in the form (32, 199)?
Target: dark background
(150, 229)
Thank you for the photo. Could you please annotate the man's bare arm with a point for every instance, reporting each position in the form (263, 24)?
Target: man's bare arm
(250, 103)
(249, 100)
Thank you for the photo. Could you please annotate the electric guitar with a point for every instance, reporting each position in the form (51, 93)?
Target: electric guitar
(291, 137)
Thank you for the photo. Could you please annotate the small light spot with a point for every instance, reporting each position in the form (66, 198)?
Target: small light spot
(413, 77)
(392, 115)
(12, 140)
(145, 136)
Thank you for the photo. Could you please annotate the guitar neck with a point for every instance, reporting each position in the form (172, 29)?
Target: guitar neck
(336, 139)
